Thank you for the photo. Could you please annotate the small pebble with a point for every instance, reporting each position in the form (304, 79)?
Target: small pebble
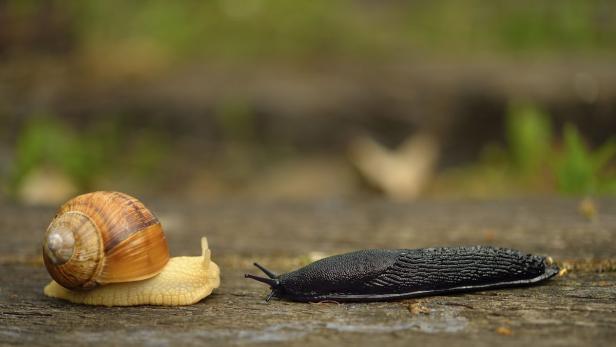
(416, 308)
(588, 208)
(489, 235)
(504, 331)
(316, 255)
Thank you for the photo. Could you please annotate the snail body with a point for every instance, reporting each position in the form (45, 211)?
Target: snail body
(183, 281)
(381, 274)
(107, 248)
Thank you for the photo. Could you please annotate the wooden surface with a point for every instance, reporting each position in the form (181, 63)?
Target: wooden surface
(578, 308)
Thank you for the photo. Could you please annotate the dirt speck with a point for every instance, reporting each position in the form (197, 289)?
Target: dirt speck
(588, 208)
(505, 331)
(416, 308)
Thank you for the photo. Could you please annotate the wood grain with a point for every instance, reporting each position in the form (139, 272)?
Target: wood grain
(575, 309)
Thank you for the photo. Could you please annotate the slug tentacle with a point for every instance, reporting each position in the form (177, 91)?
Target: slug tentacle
(270, 295)
(269, 273)
(372, 275)
(271, 281)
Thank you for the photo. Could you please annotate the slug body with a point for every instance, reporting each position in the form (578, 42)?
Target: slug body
(379, 275)
(107, 248)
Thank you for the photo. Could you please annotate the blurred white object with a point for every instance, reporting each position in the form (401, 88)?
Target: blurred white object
(46, 186)
(402, 173)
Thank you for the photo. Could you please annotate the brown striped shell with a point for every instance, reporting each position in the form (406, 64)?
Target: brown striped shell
(104, 237)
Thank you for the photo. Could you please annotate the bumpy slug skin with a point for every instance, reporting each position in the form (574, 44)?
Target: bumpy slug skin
(183, 281)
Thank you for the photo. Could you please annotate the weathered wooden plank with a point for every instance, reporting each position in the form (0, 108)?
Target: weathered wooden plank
(548, 226)
(571, 310)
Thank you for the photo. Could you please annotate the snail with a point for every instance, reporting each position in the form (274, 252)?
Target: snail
(107, 248)
(382, 274)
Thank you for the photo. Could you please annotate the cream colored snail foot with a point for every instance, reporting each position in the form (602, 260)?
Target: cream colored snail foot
(183, 281)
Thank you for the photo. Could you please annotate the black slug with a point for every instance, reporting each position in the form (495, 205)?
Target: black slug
(383, 274)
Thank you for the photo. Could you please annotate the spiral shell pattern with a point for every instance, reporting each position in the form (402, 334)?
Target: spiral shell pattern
(104, 237)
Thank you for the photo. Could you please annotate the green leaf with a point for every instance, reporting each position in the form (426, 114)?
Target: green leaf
(576, 170)
(604, 154)
(529, 134)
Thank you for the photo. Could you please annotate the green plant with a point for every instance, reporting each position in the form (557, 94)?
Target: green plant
(148, 151)
(236, 121)
(46, 142)
(529, 135)
(533, 162)
(580, 170)
(96, 150)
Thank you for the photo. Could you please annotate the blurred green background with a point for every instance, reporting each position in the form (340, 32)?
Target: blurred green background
(276, 99)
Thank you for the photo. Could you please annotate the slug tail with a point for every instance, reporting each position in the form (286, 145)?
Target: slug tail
(551, 269)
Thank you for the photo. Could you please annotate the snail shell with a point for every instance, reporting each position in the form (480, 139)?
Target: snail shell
(104, 237)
